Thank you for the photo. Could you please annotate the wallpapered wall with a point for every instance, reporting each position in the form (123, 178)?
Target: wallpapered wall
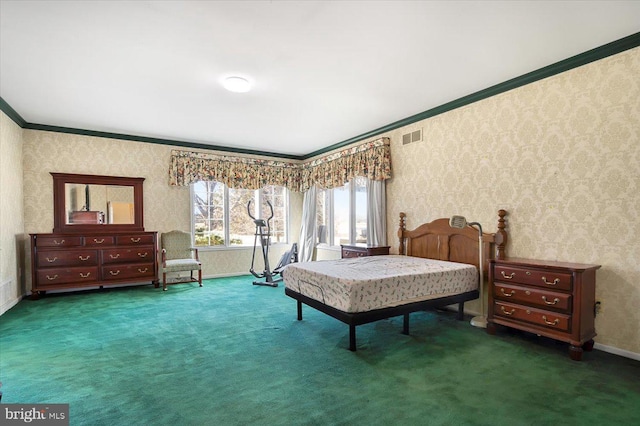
(11, 212)
(165, 207)
(562, 156)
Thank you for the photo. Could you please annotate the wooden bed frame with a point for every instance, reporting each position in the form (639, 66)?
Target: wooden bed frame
(434, 240)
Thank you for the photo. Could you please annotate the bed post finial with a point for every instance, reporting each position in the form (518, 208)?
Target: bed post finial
(402, 227)
(501, 236)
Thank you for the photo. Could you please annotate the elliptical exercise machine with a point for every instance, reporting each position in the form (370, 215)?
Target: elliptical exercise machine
(263, 232)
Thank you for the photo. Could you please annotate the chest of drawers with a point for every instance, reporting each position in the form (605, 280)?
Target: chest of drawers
(70, 261)
(551, 299)
(360, 250)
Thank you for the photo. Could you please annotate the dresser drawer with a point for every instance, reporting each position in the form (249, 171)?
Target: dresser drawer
(56, 258)
(537, 277)
(532, 296)
(56, 276)
(350, 251)
(125, 255)
(117, 272)
(353, 253)
(547, 319)
(58, 241)
(99, 241)
(127, 240)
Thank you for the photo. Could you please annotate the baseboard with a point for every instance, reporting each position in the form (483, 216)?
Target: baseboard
(231, 274)
(616, 351)
(8, 305)
(7, 296)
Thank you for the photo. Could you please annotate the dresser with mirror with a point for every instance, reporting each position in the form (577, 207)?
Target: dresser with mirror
(98, 237)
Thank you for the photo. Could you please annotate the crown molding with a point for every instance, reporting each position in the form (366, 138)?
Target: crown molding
(98, 134)
(11, 113)
(587, 57)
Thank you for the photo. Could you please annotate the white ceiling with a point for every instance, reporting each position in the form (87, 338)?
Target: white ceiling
(323, 72)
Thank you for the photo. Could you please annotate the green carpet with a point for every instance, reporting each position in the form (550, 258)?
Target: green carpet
(231, 353)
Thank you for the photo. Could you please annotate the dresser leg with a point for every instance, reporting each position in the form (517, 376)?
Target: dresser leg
(588, 345)
(491, 328)
(575, 352)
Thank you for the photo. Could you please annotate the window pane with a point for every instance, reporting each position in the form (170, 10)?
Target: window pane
(277, 196)
(361, 209)
(341, 215)
(241, 226)
(213, 205)
(208, 213)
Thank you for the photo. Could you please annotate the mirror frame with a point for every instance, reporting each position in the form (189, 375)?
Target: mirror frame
(60, 224)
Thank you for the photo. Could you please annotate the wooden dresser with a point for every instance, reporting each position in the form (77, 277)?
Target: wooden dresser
(70, 261)
(551, 299)
(361, 250)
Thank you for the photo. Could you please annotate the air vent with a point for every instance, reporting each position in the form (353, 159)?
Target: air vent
(415, 136)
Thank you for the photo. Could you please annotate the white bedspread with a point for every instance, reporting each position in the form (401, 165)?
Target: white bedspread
(366, 283)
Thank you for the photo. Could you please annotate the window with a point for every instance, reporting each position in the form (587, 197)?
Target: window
(220, 217)
(342, 213)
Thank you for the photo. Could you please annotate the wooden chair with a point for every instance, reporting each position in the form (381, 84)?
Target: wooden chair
(179, 256)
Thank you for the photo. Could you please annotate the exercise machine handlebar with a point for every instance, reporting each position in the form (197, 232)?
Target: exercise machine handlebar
(254, 219)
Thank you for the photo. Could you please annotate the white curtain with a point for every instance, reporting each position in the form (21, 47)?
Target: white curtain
(308, 232)
(376, 213)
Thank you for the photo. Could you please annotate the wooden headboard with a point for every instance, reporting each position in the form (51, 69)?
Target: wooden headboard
(438, 240)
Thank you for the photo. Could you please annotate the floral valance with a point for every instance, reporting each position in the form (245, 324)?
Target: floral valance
(370, 159)
(236, 172)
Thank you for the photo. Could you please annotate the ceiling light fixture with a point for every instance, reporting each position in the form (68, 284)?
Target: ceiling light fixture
(236, 84)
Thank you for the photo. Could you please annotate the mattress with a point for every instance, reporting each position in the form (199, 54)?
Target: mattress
(366, 283)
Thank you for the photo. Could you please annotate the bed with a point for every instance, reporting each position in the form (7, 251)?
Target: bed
(436, 266)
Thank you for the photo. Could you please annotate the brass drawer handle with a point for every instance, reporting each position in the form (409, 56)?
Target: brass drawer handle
(556, 281)
(142, 271)
(114, 273)
(509, 276)
(143, 254)
(98, 241)
(55, 277)
(84, 258)
(85, 275)
(504, 311)
(52, 260)
(508, 294)
(554, 302)
(135, 240)
(114, 257)
(544, 318)
(58, 243)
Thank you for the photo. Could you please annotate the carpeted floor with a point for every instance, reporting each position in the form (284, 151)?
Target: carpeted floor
(231, 353)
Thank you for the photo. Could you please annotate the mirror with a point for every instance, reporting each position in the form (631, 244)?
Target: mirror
(99, 204)
(91, 203)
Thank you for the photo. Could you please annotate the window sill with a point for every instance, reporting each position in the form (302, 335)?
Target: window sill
(233, 248)
(325, 246)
